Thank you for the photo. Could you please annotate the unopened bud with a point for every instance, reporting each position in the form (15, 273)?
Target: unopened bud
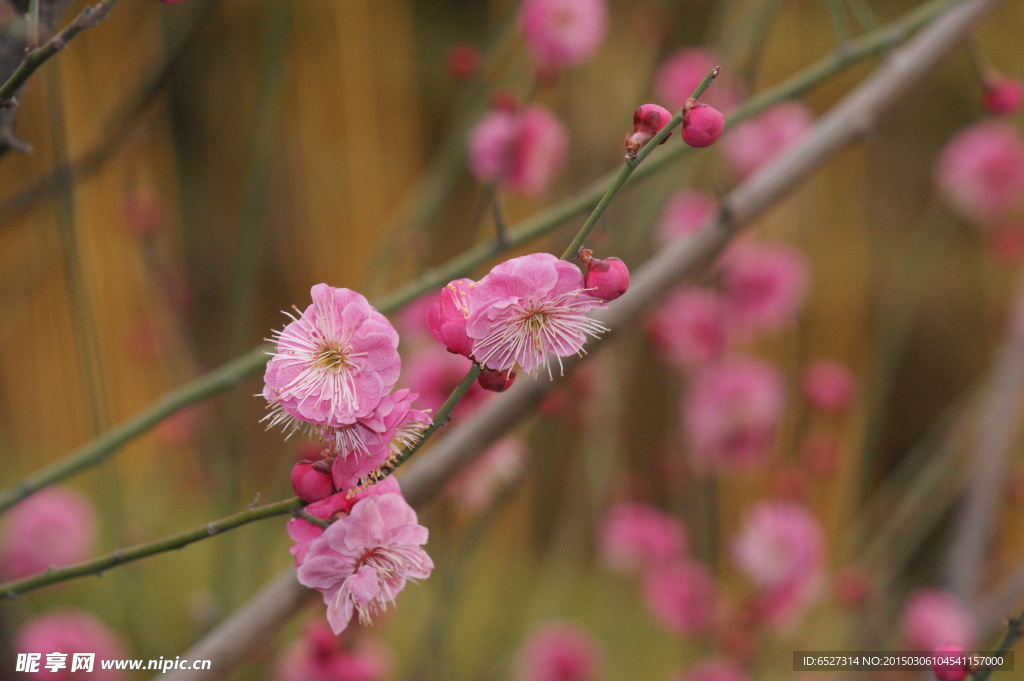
(605, 279)
(1003, 96)
(495, 380)
(948, 663)
(702, 125)
(648, 120)
(463, 61)
(312, 480)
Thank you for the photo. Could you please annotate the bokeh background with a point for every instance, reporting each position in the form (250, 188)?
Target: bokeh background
(229, 154)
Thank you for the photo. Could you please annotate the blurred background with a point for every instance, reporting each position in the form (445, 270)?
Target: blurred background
(198, 166)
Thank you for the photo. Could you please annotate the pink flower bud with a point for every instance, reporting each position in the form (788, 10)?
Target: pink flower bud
(447, 317)
(496, 380)
(605, 279)
(702, 125)
(463, 61)
(311, 480)
(648, 119)
(829, 386)
(948, 664)
(1002, 96)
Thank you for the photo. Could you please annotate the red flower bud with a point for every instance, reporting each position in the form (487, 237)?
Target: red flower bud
(312, 480)
(463, 61)
(495, 380)
(447, 317)
(948, 663)
(648, 120)
(702, 125)
(1002, 96)
(605, 279)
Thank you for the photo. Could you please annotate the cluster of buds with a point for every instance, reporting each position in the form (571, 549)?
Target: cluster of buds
(702, 125)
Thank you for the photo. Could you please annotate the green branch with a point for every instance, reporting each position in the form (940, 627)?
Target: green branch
(1014, 633)
(97, 566)
(229, 374)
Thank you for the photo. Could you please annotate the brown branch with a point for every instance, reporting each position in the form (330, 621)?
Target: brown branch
(229, 643)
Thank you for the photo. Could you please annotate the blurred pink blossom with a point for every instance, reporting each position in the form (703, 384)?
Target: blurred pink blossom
(560, 651)
(754, 143)
(828, 386)
(680, 74)
(636, 536)
(54, 527)
(70, 631)
(780, 548)
(764, 286)
(933, 618)
(523, 150)
(317, 654)
(681, 595)
(361, 561)
(982, 171)
(435, 374)
(731, 412)
(500, 464)
(562, 33)
(689, 328)
(685, 213)
(1002, 96)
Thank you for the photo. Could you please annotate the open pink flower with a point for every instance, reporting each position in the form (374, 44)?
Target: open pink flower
(690, 328)
(982, 170)
(562, 33)
(333, 363)
(681, 595)
(363, 560)
(731, 413)
(685, 213)
(365, 446)
(764, 286)
(754, 143)
(559, 651)
(52, 528)
(70, 631)
(317, 654)
(522, 149)
(527, 308)
(636, 535)
(780, 549)
(933, 618)
(333, 507)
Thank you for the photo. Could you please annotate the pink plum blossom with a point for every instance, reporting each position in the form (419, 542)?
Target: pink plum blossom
(54, 527)
(682, 72)
(780, 549)
(934, 618)
(690, 328)
(681, 595)
(523, 150)
(636, 536)
(70, 631)
(605, 279)
(317, 654)
(500, 464)
(731, 413)
(754, 143)
(362, 560)
(764, 286)
(828, 386)
(334, 362)
(560, 651)
(412, 323)
(714, 669)
(562, 33)
(333, 507)
(527, 308)
(982, 171)
(365, 446)
(447, 317)
(685, 213)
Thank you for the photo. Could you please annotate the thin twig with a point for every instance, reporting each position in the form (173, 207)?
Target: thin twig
(1014, 633)
(90, 16)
